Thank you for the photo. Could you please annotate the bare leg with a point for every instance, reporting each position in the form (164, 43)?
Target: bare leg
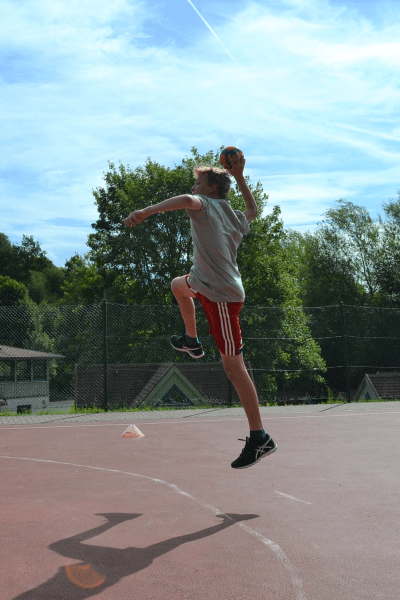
(236, 371)
(185, 300)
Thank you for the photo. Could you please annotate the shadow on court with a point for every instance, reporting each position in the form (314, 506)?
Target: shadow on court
(104, 567)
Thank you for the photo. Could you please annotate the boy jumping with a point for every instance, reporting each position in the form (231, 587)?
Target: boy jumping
(214, 279)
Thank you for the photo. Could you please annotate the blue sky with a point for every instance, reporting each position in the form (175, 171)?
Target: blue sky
(309, 89)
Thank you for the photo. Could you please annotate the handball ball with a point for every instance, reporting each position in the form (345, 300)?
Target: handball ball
(226, 155)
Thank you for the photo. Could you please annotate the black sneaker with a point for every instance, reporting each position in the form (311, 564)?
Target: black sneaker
(253, 452)
(179, 343)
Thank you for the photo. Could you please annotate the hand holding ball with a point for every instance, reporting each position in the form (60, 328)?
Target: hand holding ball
(226, 155)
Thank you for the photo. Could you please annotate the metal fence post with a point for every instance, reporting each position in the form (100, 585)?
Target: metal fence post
(105, 354)
(345, 356)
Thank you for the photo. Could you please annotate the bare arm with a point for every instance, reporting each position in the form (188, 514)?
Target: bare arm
(237, 172)
(175, 203)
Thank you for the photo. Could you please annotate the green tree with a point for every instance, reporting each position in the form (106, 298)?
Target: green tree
(338, 262)
(12, 292)
(28, 264)
(30, 257)
(83, 283)
(54, 278)
(355, 238)
(392, 210)
(15, 317)
(139, 265)
(326, 276)
(6, 255)
(388, 258)
(9, 261)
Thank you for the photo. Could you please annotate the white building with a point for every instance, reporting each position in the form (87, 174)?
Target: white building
(24, 379)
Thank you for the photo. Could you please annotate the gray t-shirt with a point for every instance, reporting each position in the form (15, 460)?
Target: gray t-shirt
(217, 232)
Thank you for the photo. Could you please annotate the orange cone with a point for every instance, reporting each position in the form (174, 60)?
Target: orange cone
(132, 431)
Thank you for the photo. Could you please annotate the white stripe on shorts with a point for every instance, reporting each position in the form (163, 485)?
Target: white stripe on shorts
(226, 329)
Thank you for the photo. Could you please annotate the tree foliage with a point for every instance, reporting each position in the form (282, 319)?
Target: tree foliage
(12, 292)
(28, 264)
(359, 240)
(138, 265)
(388, 259)
(350, 257)
(83, 283)
(326, 275)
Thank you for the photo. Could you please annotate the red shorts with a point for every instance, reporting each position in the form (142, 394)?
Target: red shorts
(223, 319)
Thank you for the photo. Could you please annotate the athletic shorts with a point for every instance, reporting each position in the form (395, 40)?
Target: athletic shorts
(223, 319)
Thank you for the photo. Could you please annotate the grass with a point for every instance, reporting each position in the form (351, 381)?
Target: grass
(73, 411)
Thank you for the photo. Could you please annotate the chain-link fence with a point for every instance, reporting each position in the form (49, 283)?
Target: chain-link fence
(115, 356)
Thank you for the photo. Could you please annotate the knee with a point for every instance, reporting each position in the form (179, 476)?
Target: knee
(234, 366)
(229, 370)
(229, 374)
(180, 288)
(175, 284)
(236, 377)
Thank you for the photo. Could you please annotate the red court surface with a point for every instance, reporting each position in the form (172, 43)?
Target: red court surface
(87, 513)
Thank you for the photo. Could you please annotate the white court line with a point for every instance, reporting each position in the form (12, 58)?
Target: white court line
(279, 553)
(207, 420)
(291, 497)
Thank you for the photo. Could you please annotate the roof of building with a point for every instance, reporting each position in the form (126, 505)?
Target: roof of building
(385, 385)
(11, 352)
(138, 381)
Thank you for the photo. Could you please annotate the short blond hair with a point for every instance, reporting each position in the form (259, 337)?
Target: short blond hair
(214, 175)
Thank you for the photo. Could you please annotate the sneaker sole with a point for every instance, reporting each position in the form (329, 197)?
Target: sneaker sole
(258, 459)
(188, 351)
